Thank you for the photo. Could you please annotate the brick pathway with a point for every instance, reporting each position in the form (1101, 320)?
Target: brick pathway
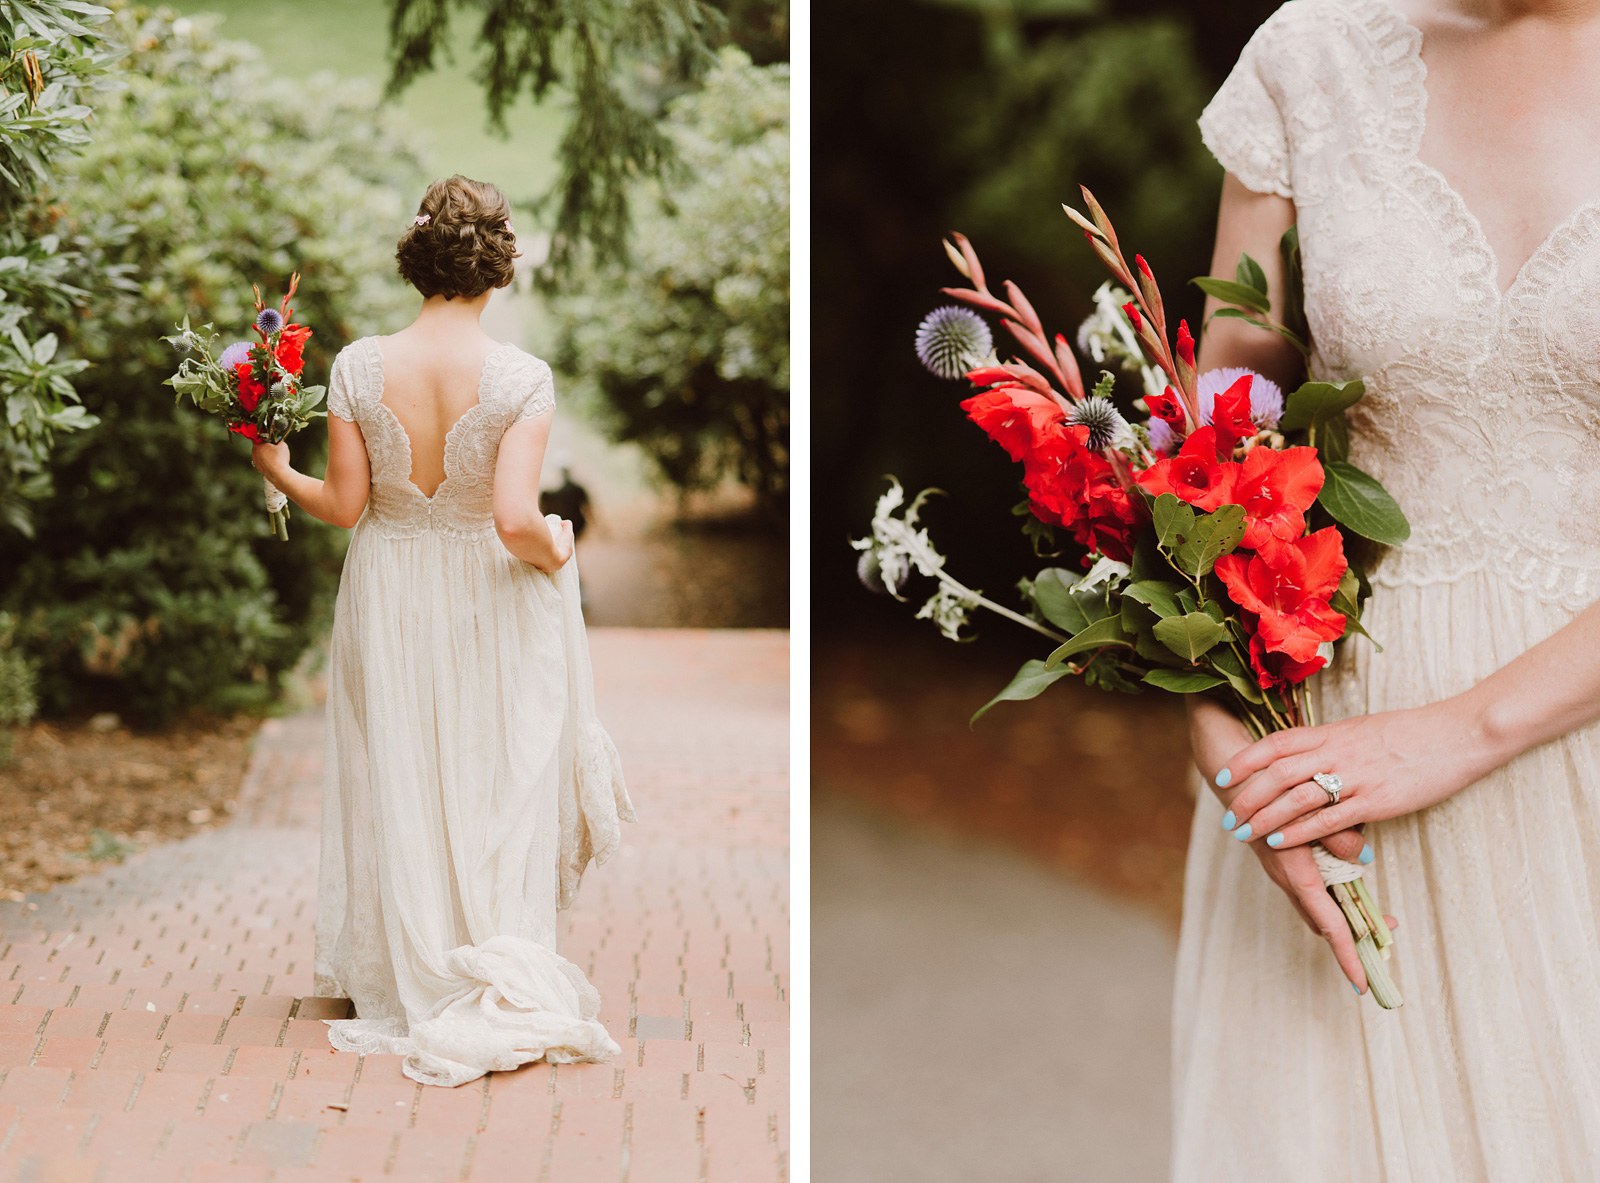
(155, 1024)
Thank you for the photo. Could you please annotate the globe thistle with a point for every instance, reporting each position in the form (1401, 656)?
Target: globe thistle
(1266, 396)
(235, 354)
(269, 321)
(952, 340)
(1105, 424)
(870, 572)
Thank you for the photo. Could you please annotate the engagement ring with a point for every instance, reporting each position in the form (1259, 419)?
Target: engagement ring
(1330, 784)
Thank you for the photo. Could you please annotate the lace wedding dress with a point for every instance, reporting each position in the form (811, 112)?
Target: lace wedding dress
(1482, 417)
(468, 781)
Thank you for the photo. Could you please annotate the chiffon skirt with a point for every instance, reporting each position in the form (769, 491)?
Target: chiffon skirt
(1491, 1069)
(448, 738)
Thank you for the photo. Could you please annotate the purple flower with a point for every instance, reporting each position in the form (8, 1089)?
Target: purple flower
(234, 354)
(1163, 440)
(1266, 398)
(268, 321)
(952, 340)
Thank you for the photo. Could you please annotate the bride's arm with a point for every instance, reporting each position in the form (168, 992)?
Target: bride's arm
(1397, 762)
(517, 517)
(1254, 222)
(341, 495)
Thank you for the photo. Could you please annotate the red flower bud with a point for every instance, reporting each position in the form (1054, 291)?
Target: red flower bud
(1166, 406)
(1144, 268)
(1132, 310)
(1185, 344)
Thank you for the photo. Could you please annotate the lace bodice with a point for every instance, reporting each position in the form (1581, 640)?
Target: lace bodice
(1482, 414)
(513, 386)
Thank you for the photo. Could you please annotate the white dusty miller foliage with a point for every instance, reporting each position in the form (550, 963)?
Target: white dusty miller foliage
(1108, 337)
(898, 546)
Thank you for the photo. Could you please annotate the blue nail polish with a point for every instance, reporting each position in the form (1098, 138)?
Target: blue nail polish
(1243, 832)
(1224, 779)
(1274, 839)
(1356, 988)
(1228, 820)
(1366, 855)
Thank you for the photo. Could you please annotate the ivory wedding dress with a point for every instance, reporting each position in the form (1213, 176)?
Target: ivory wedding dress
(468, 781)
(1482, 417)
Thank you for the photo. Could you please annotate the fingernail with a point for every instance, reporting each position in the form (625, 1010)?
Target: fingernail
(1228, 820)
(1243, 832)
(1224, 779)
(1356, 988)
(1274, 839)
(1366, 855)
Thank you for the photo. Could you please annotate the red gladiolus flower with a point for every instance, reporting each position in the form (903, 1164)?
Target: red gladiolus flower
(1276, 669)
(1276, 489)
(1195, 474)
(291, 345)
(1076, 489)
(1016, 418)
(250, 391)
(1287, 589)
(1230, 414)
(1132, 310)
(1185, 344)
(1167, 407)
(248, 430)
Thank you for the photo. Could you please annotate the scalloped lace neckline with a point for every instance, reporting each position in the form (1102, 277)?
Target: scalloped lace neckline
(449, 437)
(1417, 80)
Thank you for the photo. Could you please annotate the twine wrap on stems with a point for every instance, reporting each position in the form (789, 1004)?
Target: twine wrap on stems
(277, 510)
(1344, 883)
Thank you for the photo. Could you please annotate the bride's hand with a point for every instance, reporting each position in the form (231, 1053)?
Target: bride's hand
(1391, 763)
(270, 459)
(564, 542)
(1215, 734)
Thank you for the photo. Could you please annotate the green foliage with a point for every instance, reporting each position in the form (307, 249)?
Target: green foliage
(152, 585)
(52, 58)
(611, 58)
(688, 344)
(17, 674)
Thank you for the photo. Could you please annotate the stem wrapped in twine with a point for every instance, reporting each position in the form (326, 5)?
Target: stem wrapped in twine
(277, 509)
(1345, 883)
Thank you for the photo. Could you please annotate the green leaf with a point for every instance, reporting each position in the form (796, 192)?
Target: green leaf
(1214, 535)
(1230, 292)
(1249, 274)
(1029, 682)
(1229, 666)
(1184, 681)
(1173, 520)
(1294, 284)
(1052, 595)
(1360, 504)
(1189, 636)
(1346, 601)
(1161, 597)
(1239, 314)
(1316, 402)
(1098, 635)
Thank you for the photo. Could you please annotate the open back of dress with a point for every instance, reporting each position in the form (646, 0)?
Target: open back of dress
(468, 781)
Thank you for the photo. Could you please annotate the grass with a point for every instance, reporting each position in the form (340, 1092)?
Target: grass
(299, 38)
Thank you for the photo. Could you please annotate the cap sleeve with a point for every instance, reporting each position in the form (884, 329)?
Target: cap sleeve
(341, 399)
(1243, 125)
(539, 390)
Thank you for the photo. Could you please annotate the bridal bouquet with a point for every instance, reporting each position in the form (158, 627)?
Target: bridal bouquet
(1212, 533)
(255, 386)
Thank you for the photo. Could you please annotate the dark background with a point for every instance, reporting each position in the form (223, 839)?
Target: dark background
(982, 116)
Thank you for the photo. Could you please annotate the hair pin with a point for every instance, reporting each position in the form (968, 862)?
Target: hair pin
(422, 219)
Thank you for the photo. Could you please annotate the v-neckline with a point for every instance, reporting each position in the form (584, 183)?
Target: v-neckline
(1419, 80)
(444, 461)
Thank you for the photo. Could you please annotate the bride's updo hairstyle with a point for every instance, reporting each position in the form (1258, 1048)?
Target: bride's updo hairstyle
(460, 243)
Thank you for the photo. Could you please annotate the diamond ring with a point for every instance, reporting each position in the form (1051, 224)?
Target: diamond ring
(1330, 784)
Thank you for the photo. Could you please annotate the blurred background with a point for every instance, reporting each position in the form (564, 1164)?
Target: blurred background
(161, 160)
(995, 908)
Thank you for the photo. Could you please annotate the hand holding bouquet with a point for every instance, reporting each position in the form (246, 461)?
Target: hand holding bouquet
(1213, 532)
(256, 387)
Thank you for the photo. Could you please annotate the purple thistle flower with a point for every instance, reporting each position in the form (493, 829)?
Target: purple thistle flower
(952, 340)
(1163, 440)
(269, 321)
(234, 354)
(1266, 397)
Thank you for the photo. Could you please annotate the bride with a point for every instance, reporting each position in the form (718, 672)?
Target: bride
(468, 781)
(1435, 155)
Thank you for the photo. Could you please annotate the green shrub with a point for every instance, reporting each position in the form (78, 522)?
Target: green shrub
(152, 585)
(688, 344)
